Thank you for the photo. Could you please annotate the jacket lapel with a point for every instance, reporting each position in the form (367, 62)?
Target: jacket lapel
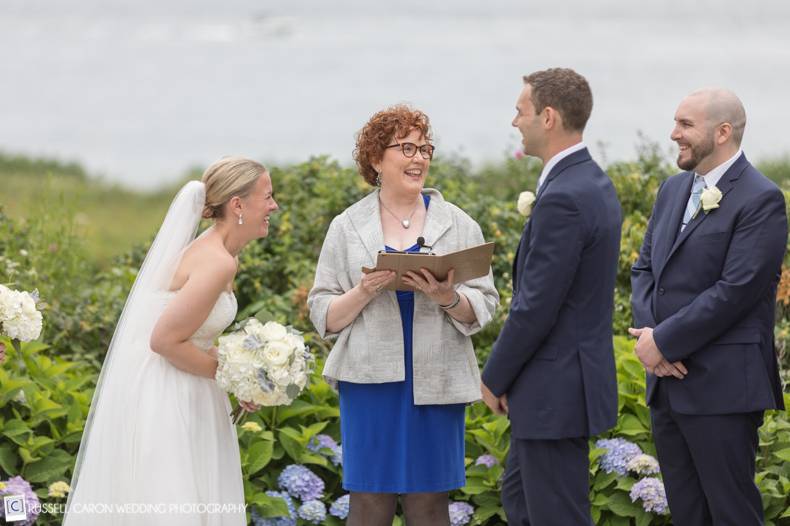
(669, 234)
(577, 157)
(725, 184)
(518, 259)
(566, 162)
(438, 219)
(366, 218)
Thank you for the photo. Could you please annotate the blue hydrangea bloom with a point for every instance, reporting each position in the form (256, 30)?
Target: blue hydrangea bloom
(339, 508)
(313, 511)
(619, 453)
(651, 491)
(257, 520)
(319, 442)
(19, 486)
(460, 513)
(488, 461)
(301, 483)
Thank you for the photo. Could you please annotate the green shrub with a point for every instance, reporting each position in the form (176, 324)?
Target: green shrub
(83, 297)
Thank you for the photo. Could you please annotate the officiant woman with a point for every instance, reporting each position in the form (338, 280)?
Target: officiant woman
(403, 360)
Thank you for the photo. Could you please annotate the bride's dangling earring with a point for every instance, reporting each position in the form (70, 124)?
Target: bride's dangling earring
(241, 221)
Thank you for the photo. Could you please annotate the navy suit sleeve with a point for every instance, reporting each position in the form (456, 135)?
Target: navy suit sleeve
(557, 238)
(642, 280)
(754, 256)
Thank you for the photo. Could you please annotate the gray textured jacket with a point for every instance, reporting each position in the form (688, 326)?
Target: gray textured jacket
(370, 349)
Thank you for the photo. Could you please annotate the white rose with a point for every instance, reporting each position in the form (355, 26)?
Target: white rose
(253, 326)
(710, 198)
(19, 316)
(280, 376)
(300, 379)
(273, 331)
(296, 341)
(276, 354)
(525, 200)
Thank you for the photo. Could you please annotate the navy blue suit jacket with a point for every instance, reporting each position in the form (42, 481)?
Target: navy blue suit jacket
(554, 356)
(710, 292)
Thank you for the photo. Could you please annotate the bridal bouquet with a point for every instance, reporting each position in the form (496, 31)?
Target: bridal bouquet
(20, 319)
(265, 364)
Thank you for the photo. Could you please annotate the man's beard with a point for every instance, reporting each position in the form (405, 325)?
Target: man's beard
(698, 153)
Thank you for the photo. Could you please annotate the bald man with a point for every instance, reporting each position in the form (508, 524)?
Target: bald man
(704, 292)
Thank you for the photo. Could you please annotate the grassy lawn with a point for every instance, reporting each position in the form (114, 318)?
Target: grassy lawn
(112, 219)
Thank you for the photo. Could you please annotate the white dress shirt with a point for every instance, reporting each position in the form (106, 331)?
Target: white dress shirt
(557, 158)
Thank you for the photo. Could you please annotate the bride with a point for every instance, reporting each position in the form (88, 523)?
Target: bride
(159, 446)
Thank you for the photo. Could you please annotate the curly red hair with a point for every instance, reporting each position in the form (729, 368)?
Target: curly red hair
(395, 121)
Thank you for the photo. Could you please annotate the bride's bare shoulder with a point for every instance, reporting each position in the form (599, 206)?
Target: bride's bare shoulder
(204, 256)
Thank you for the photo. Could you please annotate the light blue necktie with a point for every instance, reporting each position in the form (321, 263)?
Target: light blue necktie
(693, 203)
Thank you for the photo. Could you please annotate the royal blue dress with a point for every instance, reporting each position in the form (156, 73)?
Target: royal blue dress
(391, 445)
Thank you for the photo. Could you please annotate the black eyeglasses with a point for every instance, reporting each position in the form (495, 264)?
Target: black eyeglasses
(410, 149)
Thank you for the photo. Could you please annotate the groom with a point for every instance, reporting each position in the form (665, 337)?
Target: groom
(703, 297)
(552, 368)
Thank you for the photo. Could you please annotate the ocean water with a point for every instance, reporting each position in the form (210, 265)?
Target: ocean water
(140, 90)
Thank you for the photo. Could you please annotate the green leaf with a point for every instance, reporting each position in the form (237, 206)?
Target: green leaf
(270, 507)
(603, 479)
(475, 487)
(631, 425)
(311, 458)
(17, 430)
(8, 458)
(643, 518)
(312, 430)
(258, 456)
(300, 408)
(54, 465)
(783, 454)
(292, 445)
(622, 506)
(292, 391)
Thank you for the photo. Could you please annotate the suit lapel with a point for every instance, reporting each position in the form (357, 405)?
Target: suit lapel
(566, 162)
(669, 234)
(577, 157)
(725, 184)
(523, 246)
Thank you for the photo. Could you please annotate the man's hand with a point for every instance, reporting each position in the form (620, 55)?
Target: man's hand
(676, 369)
(497, 405)
(648, 353)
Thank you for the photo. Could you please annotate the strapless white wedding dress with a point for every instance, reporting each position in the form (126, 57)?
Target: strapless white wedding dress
(194, 477)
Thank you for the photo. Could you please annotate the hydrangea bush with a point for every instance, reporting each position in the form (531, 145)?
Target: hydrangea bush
(46, 386)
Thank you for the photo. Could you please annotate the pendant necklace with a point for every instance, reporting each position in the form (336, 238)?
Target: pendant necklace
(406, 222)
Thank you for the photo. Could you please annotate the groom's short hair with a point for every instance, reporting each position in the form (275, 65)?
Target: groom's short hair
(564, 90)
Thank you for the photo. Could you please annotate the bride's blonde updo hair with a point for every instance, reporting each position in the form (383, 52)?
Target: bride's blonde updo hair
(227, 178)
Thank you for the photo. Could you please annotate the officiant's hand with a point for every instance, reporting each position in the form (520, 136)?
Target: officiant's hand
(498, 405)
(373, 283)
(649, 354)
(441, 292)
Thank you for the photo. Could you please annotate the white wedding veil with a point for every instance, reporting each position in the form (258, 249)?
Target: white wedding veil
(105, 448)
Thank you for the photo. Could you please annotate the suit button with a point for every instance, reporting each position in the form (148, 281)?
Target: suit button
(661, 291)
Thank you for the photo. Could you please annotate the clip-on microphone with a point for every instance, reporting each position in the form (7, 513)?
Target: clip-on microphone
(421, 244)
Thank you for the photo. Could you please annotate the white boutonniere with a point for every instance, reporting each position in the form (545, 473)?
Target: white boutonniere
(710, 199)
(525, 200)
